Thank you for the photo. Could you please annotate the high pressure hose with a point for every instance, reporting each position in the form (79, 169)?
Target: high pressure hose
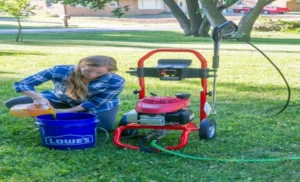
(217, 36)
(106, 133)
(159, 133)
(282, 76)
(154, 144)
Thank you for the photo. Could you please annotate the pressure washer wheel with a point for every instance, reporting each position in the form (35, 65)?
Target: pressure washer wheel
(207, 129)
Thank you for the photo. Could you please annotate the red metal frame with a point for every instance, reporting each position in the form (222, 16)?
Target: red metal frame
(186, 129)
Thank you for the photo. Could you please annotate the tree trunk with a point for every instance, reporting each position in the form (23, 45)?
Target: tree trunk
(213, 15)
(204, 28)
(180, 16)
(205, 25)
(247, 22)
(19, 30)
(195, 17)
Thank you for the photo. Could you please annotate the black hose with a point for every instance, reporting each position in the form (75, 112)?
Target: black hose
(145, 149)
(283, 77)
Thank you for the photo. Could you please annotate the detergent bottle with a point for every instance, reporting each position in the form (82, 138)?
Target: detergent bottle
(31, 110)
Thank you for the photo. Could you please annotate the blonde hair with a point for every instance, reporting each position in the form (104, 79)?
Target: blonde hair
(76, 82)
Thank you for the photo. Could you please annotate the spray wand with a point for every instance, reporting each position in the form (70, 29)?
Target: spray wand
(217, 35)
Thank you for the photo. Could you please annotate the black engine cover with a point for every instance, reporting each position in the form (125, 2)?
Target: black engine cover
(182, 117)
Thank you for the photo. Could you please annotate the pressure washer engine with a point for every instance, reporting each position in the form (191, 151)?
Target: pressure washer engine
(161, 111)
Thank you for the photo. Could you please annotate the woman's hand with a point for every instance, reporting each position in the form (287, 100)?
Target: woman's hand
(41, 102)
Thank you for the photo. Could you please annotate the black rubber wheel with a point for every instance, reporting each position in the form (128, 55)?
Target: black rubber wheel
(126, 132)
(208, 128)
(266, 12)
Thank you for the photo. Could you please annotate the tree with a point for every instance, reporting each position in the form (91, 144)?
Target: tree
(246, 24)
(17, 9)
(196, 24)
(95, 5)
(199, 22)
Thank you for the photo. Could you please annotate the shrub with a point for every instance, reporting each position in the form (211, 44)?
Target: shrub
(267, 25)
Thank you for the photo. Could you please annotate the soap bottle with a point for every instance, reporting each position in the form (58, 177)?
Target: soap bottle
(30, 110)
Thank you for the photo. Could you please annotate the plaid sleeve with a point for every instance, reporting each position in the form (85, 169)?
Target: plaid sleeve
(112, 91)
(34, 80)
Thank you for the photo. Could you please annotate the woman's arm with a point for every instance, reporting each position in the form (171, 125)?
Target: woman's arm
(26, 87)
(29, 83)
(73, 109)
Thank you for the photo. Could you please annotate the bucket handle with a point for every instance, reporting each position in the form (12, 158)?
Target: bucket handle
(70, 125)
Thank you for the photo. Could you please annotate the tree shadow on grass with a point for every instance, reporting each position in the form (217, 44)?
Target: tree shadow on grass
(147, 37)
(7, 72)
(246, 87)
(16, 53)
(140, 39)
(126, 36)
(276, 41)
(10, 19)
(137, 45)
(24, 27)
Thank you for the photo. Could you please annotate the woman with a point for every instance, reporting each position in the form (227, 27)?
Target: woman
(91, 86)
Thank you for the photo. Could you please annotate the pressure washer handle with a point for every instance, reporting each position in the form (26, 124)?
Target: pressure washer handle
(217, 35)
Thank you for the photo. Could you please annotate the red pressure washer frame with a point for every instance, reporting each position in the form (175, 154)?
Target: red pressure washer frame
(186, 129)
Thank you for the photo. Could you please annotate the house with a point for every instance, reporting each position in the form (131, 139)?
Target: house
(136, 7)
(141, 7)
(293, 5)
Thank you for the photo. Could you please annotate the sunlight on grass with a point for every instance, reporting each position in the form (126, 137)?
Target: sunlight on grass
(75, 22)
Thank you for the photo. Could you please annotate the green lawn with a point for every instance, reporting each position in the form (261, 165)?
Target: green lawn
(247, 86)
(37, 22)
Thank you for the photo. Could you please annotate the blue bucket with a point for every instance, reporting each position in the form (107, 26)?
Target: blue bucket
(69, 131)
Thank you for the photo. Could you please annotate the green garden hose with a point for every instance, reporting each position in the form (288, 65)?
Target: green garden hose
(154, 144)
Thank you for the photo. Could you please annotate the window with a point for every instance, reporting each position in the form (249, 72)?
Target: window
(151, 4)
(112, 4)
(297, 1)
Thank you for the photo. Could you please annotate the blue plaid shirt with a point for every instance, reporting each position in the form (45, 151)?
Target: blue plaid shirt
(103, 93)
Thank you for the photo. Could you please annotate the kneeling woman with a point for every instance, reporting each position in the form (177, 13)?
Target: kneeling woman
(91, 86)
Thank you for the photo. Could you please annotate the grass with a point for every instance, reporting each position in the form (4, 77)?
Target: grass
(38, 22)
(31, 23)
(247, 86)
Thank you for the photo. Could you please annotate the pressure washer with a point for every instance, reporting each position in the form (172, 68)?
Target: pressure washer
(163, 113)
